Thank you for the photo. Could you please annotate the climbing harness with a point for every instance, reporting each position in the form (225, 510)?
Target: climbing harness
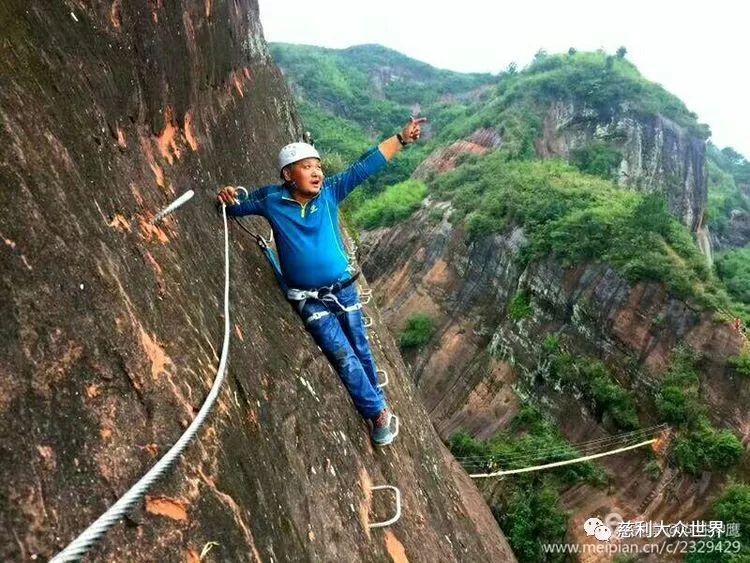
(324, 294)
(84, 542)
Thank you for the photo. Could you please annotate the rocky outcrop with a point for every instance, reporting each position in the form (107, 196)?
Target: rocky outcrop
(657, 155)
(737, 231)
(481, 365)
(111, 326)
(447, 158)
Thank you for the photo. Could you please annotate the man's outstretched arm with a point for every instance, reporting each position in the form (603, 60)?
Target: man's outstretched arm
(374, 160)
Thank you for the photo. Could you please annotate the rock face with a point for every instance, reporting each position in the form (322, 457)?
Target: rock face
(656, 154)
(111, 326)
(446, 159)
(481, 365)
(738, 231)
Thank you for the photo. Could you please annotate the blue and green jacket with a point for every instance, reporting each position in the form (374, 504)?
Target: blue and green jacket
(308, 237)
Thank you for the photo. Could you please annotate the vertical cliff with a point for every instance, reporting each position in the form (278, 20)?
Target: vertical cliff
(111, 326)
(482, 364)
(654, 153)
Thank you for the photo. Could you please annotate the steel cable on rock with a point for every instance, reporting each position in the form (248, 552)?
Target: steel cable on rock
(86, 540)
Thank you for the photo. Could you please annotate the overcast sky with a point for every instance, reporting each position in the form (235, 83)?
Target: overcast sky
(699, 52)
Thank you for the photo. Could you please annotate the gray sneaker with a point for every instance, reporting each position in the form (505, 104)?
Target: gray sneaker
(381, 434)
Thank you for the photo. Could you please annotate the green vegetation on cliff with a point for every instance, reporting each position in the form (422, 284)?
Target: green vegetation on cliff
(519, 307)
(698, 446)
(741, 363)
(391, 206)
(732, 507)
(351, 81)
(727, 171)
(579, 218)
(607, 400)
(603, 84)
(734, 269)
(352, 98)
(417, 331)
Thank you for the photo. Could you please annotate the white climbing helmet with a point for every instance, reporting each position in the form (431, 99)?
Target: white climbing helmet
(294, 152)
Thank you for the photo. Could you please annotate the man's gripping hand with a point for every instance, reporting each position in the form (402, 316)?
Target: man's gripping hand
(228, 195)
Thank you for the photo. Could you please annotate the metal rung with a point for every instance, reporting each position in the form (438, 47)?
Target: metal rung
(396, 425)
(365, 291)
(385, 376)
(367, 321)
(398, 506)
(366, 300)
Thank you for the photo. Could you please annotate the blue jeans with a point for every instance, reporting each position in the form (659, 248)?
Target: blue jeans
(343, 338)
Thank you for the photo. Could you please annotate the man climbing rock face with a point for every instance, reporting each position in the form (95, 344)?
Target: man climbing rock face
(303, 213)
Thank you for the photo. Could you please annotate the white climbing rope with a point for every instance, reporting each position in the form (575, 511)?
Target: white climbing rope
(84, 542)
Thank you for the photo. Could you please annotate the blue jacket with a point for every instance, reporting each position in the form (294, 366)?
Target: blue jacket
(308, 237)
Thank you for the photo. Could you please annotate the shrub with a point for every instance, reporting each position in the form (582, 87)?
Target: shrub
(436, 215)
(699, 446)
(519, 307)
(533, 517)
(418, 330)
(679, 400)
(741, 363)
(551, 343)
(607, 398)
(733, 268)
(732, 506)
(598, 159)
(653, 469)
(707, 449)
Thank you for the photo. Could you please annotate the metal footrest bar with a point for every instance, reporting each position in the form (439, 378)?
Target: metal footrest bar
(398, 506)
(385, 377)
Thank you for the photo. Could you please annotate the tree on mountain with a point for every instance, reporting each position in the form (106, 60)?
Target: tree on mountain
(621, 52)
(540, 55)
